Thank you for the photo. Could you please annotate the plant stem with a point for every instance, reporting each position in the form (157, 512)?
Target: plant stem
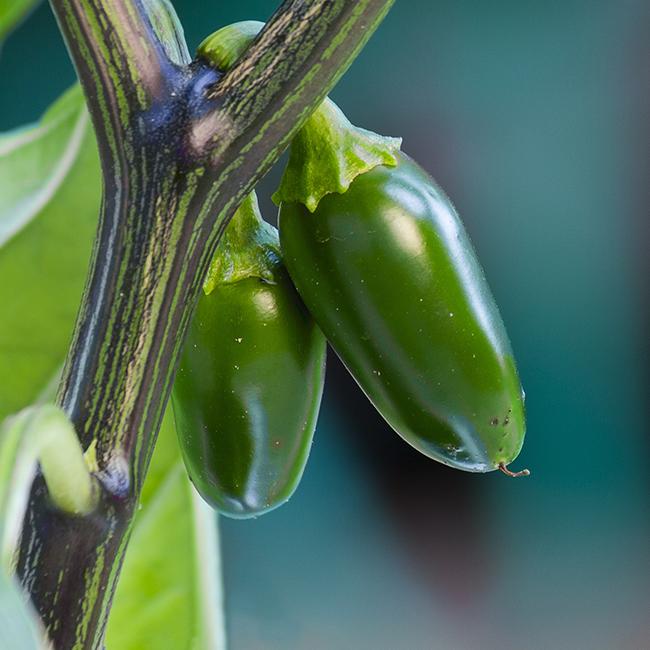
(180, 148)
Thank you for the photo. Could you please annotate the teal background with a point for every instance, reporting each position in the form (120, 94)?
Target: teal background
(534, 118)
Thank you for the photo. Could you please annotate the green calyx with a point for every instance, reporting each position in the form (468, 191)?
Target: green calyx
(329, 152)
(249, 248)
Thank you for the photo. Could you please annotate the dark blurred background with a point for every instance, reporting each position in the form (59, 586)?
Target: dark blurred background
(534, 117)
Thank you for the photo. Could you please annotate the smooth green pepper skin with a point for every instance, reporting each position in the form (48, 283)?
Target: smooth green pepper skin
(390, 275)
(247, 394)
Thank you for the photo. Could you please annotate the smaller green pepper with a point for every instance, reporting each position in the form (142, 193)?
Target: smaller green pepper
(249, 385)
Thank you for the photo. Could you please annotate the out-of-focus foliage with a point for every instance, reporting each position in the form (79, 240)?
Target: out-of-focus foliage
(169, 594)
(11, 13)
(17, 628)
(49, 202)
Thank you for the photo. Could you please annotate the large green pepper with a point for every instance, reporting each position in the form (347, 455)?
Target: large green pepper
(387, 270)
(249, 385)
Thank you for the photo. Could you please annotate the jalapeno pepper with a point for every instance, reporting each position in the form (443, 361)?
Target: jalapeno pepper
(388, 272)
(249, 385)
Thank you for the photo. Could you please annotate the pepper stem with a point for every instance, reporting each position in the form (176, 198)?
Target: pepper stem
(503, 468)
(329, 152)
(248, 248)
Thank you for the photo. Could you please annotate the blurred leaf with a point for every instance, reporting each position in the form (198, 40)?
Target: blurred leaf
(19, 445)
(11, 13)
(18, 629)
(169, 594)
(49, 201)
(168, 29)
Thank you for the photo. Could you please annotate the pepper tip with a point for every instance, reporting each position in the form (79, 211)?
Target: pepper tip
(503, 468)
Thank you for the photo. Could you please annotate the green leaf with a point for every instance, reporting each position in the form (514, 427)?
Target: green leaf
(11, 13)
(49, 201)
(168, 29)
(18, 626)
(169, 595)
